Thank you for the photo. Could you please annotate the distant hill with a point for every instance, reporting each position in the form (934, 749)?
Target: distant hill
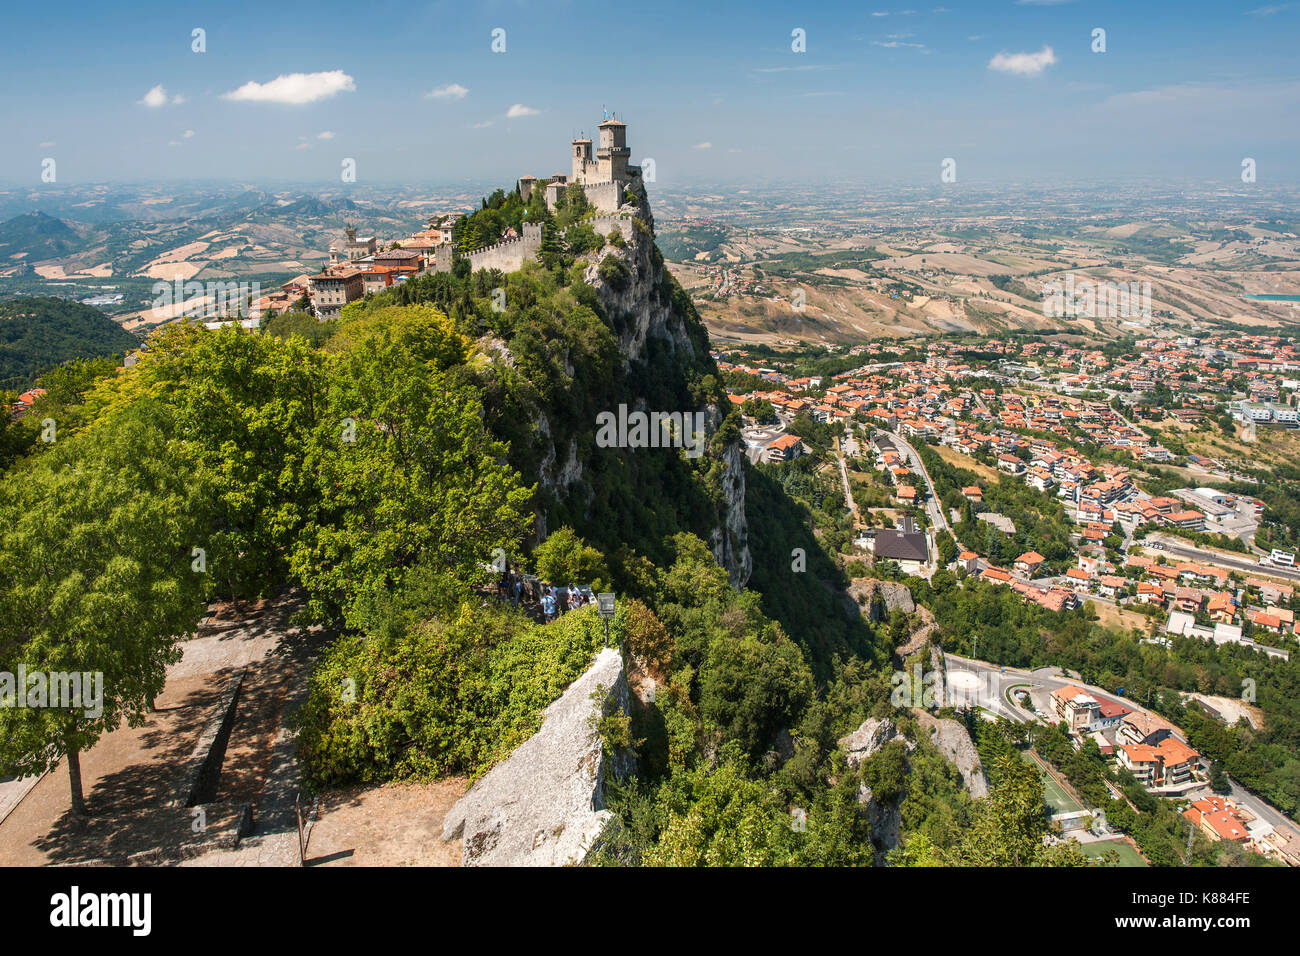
(309, 207)
(36, 334)
(38, 235)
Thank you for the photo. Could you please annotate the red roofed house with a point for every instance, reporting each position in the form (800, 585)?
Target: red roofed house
(1269, 622)
(1166, 764)
(1075, 706)
(996, 575)
(1078, 577)
(1143, 760)
(1149, 593)
(1218, 819)
(784, 448)
(1191, 520)
(1028, 563)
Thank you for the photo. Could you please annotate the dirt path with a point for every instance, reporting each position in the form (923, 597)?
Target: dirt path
(131, 775)
(124, 775)
(399, 824)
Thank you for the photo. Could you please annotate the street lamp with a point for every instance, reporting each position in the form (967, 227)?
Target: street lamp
(605, 608)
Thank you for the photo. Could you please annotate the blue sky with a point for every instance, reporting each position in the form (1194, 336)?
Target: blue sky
(712, 91)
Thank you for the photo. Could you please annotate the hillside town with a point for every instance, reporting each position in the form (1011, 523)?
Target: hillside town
(1068, 427)
(1075, 428)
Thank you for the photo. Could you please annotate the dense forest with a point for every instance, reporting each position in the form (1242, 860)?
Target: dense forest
(37, 334)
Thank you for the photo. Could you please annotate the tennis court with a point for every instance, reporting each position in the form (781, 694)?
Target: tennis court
(1057, 798)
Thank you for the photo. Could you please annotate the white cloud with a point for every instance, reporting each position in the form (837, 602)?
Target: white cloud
(325, 134)
(177, 100)
(452, 91)
(519, 110)
(303, 146)
(47, 144)
(704, 145)
(1023, 64)
(155, 98)
(1207, 100)
(483, 125)
(295, 89)
(1269, 11)
(188, 134)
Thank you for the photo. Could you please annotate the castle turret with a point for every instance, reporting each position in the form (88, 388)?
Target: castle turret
(613, 154)
(582, 160)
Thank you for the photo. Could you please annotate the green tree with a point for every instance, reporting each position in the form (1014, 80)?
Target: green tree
(723, 819)
(406, 474)
(248, 405)
(1008, 827)
(565, 558)
(96, 577)
(16, 435)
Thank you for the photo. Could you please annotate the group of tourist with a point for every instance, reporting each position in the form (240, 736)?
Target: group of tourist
(556, 601)
(516, 589)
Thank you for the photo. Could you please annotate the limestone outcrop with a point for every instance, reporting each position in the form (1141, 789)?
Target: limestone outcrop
(730, 541)
(954, 743)
(893, 596)
(885, 820)
(873, 734)
(545, 804)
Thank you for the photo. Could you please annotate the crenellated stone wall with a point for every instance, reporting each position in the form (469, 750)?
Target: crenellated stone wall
(510, 255)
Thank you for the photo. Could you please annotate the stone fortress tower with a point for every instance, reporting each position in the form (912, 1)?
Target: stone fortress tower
(606, 179)
(583, 165)
(603, 178)
(613, 154)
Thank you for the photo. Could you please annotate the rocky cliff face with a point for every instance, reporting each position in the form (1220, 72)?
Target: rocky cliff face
(873, 734)
(954, 743)
(643, 301)
(545, 804)
(642, 307)
(863, 594)
(730, 541)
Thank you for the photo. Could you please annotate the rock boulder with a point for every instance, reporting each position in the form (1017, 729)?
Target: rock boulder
(873, 734)
(954, 743)
(545, 804)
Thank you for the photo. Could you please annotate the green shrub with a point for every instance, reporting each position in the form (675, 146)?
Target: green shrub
(450, 696)
(614, 273)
